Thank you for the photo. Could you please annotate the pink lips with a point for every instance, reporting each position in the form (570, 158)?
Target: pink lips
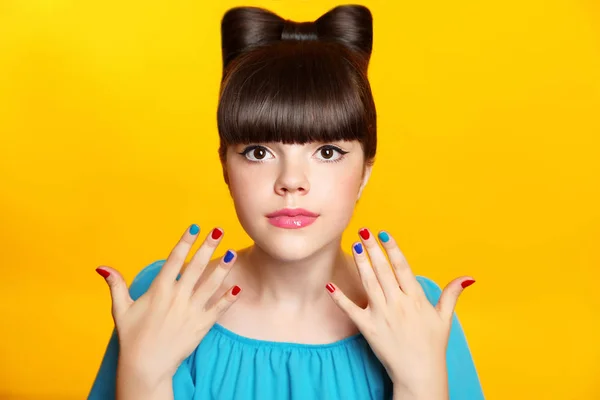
(292, 218)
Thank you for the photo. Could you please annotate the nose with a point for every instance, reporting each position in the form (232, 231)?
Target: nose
(292, 179)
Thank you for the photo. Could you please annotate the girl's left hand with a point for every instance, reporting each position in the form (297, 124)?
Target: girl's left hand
(406, 333)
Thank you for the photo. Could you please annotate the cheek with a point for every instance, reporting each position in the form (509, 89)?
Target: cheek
(249, 190)
(339, 191)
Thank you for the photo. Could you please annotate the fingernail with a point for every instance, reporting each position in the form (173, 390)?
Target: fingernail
(466, 283)
(216, 233)
(104, 273)
(236, 289)
(330, 287)
(194, 229)
(384, 237)
(364, 233)
(228, 256)
(358, 248)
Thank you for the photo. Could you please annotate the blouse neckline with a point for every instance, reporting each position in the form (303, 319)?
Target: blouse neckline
(258, 342)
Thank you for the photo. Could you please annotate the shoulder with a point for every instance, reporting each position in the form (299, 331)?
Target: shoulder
(144, 278)
(431, 288)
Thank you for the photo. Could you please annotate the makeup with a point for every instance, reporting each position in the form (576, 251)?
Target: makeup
(292, 218)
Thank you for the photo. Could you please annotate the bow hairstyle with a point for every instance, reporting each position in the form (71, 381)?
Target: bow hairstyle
(296, 82)
(245, 28)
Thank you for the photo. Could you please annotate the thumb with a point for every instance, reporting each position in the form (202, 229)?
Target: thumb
(121, 300)
(450, 294)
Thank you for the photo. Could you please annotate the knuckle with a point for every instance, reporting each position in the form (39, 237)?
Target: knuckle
(211, 243)
(223, 305)
(370, 283)
(176, 257)
(370, 245)
(399, 266)
(160, 288)
(179, 252)
(180, 296)
(220, 271)
(116, 285)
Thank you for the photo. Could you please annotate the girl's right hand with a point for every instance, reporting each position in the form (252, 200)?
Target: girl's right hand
(163, 327)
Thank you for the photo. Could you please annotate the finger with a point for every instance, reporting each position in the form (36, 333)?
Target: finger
(449, 297)
(121, 300)
(172, 266)
(354, 312)
(226, 300)
(200, 260)
(208, 287)
(367, 276)
(381, 266)
(404, 275)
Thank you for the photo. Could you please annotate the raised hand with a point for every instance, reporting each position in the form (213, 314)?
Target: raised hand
(406, 333)
(164, 326)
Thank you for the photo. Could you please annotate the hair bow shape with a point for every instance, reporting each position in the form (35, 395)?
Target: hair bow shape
(245, 28)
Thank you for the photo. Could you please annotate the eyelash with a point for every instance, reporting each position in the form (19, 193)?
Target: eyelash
(329, 146)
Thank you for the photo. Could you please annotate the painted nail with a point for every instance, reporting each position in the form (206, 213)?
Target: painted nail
(358, 248)
(216, 233)
(194, 229)
(384, 237)
(364, 233)
(330, 287)
(104, 273)
(228, 256)
(466, 283)
(236, 289)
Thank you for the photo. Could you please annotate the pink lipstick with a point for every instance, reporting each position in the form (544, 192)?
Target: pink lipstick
(292, 218)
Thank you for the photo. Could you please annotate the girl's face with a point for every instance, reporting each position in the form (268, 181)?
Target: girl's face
(271, 182)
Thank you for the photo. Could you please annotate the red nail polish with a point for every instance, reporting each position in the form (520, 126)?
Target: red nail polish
(216, 233)
(104, 273)
(236, 289)
(466, 283)
(330, 287)
(364, 233)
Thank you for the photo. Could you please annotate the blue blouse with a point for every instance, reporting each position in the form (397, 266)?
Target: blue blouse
(227, 366)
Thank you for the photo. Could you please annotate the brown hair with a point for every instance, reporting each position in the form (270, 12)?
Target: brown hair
(296, 82)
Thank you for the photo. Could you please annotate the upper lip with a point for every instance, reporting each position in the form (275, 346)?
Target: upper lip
(292, 212)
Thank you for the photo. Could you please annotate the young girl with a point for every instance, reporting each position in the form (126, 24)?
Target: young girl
(297, 125)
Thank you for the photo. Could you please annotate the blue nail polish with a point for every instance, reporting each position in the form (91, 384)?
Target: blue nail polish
(358, 248)
(384, 237)
(228, 256)
(194, 229)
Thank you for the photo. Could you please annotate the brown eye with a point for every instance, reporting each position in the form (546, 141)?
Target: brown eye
(259, 153)
(256, 153)
(330, 153)
(327, 153)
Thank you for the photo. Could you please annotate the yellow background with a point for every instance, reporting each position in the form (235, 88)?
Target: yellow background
(489, 126)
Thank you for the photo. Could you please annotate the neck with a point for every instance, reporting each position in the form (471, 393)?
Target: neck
(294, 286)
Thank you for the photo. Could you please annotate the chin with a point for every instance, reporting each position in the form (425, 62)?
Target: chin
(289, 245)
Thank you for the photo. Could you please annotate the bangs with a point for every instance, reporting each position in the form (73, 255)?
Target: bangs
(296, 93)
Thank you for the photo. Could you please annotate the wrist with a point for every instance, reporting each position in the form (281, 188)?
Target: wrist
(133, 384)
(137, 380)
(434, 386)
(438, 392)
